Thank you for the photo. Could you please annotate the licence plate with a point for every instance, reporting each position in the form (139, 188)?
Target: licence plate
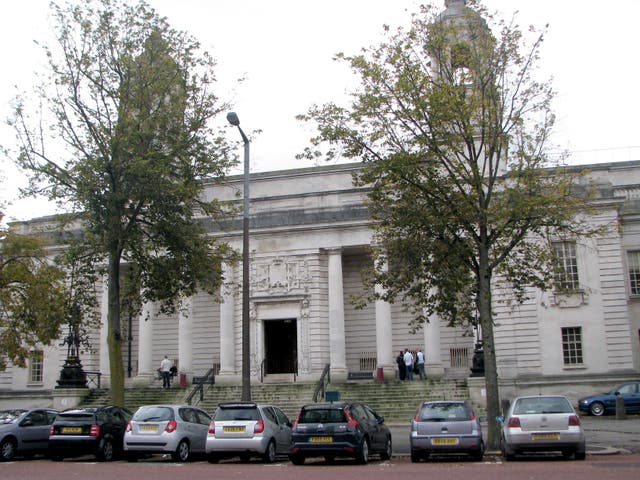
(545, 436)
(71, 430)
(148, 428)
(234, 429)
(444, 441)
(321, 439)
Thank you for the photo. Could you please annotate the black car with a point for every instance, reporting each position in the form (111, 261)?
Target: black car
(340, 429)
(24, 432)
(88, 431)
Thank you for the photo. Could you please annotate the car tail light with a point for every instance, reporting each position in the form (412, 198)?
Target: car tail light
(171, 426)
(574, 421)
(351, 422)
(258, 427)
(212, 427)
(472, 416)
(128, 429)
(297, 420)
(51, 430)
(514, 422)
(416, 417)
(94, 431)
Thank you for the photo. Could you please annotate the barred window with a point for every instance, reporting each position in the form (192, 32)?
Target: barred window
(572, 345)
(36, 364)
(633, 260)
(566, 275)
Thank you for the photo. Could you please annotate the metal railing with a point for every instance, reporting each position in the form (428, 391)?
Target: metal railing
(208, 379)
(321, 386)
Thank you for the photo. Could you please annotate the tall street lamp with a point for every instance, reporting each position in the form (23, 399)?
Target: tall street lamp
(233, 119)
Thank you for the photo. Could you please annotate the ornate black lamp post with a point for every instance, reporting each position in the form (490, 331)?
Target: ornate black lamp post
(72, 375)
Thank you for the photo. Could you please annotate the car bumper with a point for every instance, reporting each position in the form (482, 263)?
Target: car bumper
(230, 445)
(73, 445)
(147, 444)
(526, 441)
(444, 444)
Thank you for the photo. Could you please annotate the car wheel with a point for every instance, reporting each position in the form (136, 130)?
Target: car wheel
(7, 450)
(596, 409)
(296, 459)
(386, 453)
(415, 458)
(183, 451)
(581, 455)
(213, 458)
(362, 455)
(270, 453)
(131, 457)
(477, 455)
(106, 451)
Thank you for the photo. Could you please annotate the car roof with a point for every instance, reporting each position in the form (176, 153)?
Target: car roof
(326, 405)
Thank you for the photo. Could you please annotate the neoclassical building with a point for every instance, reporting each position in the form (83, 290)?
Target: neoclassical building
(309, 237)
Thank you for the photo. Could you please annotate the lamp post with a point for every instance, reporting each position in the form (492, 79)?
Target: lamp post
(233, 119)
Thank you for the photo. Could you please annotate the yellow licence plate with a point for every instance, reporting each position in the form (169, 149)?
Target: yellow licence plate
(321, 439)
(148, 428)
(234, 429)
(545, 436)
(444, 441)
(71, 429)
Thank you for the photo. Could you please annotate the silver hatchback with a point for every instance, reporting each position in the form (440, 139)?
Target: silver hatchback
(179, 430)
(247, 429)
(542, 424)
(445, 427)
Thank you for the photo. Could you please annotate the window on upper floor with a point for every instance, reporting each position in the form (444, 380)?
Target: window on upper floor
(36, 364)
(566, 275)
(572, 345)
(633, 262)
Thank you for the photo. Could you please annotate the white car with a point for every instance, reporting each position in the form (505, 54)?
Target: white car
(545, 423)
(176, 429)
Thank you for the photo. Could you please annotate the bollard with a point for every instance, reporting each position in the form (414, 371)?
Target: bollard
(621, 412)
(380, 374)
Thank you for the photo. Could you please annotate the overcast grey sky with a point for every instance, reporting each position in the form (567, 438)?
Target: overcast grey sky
(285, 50)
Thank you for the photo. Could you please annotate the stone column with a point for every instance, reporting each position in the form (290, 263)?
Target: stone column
(433, 357)
(185, 339)
(384, 336)
(146, 368)
(337, 349)
(227, 338)
(105, 367)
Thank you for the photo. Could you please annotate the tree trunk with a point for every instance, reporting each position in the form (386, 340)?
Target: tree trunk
(490, 366)
(114, 337)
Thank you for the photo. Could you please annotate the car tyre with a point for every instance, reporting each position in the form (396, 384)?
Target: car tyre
(596, 409)
(7, 450)
(105, 454)
(415, 458)
(213, 458)
(477, 455)
(183, 452)
(270, 453)
(296, 459)
(580, 455)
(388, 451)
(131, 457)
(362, 455)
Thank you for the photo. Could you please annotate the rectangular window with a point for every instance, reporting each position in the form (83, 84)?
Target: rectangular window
(566, 275)
(633, 260)
(572, 345)
(36, 363)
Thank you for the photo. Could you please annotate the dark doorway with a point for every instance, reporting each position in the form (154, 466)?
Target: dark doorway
(281, 346)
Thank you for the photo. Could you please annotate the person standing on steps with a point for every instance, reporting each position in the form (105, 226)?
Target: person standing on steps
(165, 370)
(420, 363)
(408, 362)
(402, 370)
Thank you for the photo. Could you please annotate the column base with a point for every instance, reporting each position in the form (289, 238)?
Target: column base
(434, 371)
(143, 379)
(228, 378)
(338, 375)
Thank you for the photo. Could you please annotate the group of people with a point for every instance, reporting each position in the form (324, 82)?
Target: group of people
(408, 364)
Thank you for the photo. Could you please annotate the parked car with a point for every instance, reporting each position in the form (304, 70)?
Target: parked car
(542, 424)
(94, 430)
(339, 429)
(445, 427)
(606, 402)
(24, 432)
(180, 430)
(246, 429)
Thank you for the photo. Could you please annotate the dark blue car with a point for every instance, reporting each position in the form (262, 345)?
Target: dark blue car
(606, 402)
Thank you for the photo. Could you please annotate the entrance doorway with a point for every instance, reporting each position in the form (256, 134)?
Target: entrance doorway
(281, 346)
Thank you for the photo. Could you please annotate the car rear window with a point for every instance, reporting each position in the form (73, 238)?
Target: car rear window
(444, 412)
(322, 415)
(535, 405)
(237, 413)
(76, 416)
(153, 414)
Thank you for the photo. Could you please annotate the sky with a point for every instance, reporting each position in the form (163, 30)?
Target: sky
(284, 49)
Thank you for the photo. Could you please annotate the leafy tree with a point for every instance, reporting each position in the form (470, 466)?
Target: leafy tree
(125, 141)
(453, 131)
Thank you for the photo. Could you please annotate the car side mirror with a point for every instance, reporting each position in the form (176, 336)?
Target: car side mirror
(380, 420)
(500, 419)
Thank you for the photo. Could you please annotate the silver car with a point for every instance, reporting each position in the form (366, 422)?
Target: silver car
(245, 429)
(445, 427)
(542, 424)
(24, 432)
(176, 429)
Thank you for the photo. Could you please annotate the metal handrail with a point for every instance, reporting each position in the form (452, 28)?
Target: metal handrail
(209, 378)
(321, 386)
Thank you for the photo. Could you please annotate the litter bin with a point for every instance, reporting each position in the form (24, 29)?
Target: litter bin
(183, 380)
(332, 396)
(380, 374)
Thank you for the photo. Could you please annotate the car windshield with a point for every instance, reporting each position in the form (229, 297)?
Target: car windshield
(153, 414)
(322, 415)
(444, 412)
(237, 413)
(535, 405)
